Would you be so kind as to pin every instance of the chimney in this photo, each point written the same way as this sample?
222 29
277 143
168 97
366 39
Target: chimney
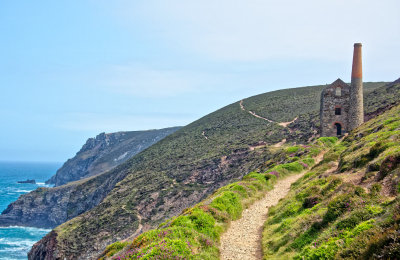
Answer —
357 62
356 110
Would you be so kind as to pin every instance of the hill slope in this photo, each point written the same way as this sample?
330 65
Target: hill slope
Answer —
183 168
348 206
106 151
345 206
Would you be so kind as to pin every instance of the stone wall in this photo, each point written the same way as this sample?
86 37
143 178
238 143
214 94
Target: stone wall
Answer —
329 102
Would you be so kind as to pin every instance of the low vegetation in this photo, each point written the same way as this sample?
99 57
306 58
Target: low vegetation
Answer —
348 205
192 163
195 233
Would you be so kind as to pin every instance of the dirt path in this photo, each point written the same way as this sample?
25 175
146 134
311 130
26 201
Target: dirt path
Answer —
280 143
284 124
242 240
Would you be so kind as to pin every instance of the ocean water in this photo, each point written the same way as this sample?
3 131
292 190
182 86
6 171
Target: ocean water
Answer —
15 242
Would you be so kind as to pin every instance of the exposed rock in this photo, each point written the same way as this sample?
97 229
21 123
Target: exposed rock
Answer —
106 151
50 207
27 181
45 251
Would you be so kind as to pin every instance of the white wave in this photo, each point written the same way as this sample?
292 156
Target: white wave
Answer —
29 229
42 184
23 191
18 243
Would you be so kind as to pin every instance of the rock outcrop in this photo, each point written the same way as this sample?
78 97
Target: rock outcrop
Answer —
106 151
50 207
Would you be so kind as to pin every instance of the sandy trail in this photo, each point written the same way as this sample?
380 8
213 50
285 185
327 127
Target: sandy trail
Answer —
242 240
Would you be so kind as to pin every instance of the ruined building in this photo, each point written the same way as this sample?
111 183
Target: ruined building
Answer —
342 107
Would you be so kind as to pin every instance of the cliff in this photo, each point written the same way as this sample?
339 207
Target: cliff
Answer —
191 163
106 151
50 207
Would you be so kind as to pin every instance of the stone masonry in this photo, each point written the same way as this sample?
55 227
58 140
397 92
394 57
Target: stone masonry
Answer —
335 96
342 105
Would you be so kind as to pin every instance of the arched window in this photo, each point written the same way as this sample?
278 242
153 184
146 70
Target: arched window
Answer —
338 92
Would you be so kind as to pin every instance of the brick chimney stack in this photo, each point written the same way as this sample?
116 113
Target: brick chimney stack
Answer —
356 110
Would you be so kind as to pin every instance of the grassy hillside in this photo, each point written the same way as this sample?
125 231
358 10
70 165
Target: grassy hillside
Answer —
186 166
348 206
195 233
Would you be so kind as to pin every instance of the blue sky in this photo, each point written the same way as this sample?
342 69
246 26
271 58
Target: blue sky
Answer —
72 69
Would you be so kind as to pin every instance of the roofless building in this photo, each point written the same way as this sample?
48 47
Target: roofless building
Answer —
342 108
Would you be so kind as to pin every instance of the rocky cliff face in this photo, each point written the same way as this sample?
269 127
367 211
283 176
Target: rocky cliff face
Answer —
50 207
106 151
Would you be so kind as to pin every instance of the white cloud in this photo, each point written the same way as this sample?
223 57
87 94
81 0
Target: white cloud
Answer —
244 30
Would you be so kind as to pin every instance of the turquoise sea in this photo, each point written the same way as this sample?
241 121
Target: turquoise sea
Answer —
15 242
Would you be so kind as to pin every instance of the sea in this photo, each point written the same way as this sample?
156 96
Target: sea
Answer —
15 242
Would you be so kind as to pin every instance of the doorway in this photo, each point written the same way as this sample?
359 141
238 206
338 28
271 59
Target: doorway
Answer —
338 129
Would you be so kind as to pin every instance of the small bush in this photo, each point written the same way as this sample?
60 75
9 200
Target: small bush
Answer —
255 175
293 149
334 182
228 202
375 189
309 161
115 248
311 201
390 163
330 156
337 207
328 141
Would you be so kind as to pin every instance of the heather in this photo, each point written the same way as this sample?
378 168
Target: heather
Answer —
195 233
347 206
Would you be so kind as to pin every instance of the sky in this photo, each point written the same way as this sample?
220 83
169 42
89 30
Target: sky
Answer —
70 70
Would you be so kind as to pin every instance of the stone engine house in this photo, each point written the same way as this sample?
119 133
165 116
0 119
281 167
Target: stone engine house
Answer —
341 104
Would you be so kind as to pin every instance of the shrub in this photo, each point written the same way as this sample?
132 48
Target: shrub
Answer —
309 161
293 149
328 141
311 202
115 248
274 173
330 156
389 164
255 175
337 207
334 182
293 167
375 189
228 202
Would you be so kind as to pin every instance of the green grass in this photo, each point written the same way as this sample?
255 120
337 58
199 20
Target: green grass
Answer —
196 232
325 217
185 163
